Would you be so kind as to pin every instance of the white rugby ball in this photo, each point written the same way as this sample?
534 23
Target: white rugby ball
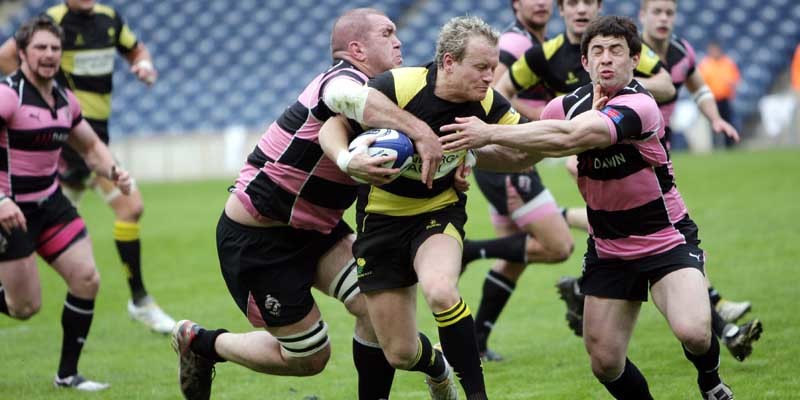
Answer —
388 142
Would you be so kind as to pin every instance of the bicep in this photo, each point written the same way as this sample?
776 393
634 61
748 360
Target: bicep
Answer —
82 137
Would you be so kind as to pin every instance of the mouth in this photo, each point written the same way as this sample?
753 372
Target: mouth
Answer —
582 21
662 30
606 73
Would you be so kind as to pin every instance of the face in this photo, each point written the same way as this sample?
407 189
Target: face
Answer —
609 62
577 15
658 19
533 13
42 56
81 5
381 46
472 76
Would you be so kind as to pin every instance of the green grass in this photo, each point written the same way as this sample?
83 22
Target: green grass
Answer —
744 202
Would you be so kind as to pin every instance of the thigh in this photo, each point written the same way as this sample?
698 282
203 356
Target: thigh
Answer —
62 228
336 273
612 278
682 298
382 252
20 281
76 265
608 325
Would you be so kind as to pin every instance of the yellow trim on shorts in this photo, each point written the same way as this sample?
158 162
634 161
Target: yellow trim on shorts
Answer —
380 201
451 231
126 231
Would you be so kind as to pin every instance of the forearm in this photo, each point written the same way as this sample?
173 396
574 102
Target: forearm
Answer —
333 138
99 159
505 159
380 112
660 87
709 108
138 54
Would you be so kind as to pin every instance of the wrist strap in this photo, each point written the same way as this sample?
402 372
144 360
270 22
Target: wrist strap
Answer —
343 160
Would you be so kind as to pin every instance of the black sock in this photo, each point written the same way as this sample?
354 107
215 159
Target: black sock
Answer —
707 365
203 344
3 304
564 212
497 289
717 323
509 248
375 374
457 333
75 321
631 384
714 295
429 360
126 236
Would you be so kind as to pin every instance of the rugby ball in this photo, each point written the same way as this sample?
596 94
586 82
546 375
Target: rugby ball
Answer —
388 142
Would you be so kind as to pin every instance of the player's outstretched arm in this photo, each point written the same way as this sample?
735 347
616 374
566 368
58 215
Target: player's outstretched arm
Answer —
97 156
142 64
708 106
549 138
333 140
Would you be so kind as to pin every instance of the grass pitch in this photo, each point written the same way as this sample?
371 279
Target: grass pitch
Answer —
745 204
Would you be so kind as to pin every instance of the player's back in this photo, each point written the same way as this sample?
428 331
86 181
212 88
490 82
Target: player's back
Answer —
287 177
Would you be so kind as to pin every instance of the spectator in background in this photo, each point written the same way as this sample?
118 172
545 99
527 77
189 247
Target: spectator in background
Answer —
722 76
794 127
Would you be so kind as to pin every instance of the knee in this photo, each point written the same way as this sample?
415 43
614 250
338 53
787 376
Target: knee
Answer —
24 310
130 210
313 364
441 295
556 251
400 357
606 366
85 283
695 337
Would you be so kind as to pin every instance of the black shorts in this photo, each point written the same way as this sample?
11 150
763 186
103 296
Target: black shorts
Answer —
53 225
629 279
270 271
386 246
73 170
493 186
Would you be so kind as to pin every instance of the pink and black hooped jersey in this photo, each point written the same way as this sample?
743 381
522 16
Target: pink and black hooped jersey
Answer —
287 177
629 187
514 41
681 62
31 136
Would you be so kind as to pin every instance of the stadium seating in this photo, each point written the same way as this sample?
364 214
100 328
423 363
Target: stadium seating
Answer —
242 62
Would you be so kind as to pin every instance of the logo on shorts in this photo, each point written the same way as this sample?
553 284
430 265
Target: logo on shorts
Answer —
432 224
360 263
696 256
273 306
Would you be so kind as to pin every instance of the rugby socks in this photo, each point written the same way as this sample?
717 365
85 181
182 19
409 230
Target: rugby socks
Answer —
375 374
457 333
714 296
707 366
3 305
429 360
630 384
75 321
718 325
509 248
126 236
203 344
497 289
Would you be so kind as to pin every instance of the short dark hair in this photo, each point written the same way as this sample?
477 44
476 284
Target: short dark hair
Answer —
28 29
612 25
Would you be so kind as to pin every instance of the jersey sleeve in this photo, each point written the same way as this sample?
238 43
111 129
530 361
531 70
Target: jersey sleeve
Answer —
649 63
9 102
348 74
501 111
691 57
633 118
74 109
526 71
512 46
554 109
126 39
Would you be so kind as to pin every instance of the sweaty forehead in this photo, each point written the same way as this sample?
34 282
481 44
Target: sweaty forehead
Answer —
479 48
43 36
379 23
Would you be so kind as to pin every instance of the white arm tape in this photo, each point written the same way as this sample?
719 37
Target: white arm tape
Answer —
347 97
702 94
144 64
343 160
471 159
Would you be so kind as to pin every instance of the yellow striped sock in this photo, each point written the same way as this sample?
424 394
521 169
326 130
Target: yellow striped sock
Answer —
126 231
453 314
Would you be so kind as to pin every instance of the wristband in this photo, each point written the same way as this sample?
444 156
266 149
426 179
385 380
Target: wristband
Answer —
144 64
343 160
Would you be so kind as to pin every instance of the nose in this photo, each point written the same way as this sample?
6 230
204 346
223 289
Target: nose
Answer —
396 41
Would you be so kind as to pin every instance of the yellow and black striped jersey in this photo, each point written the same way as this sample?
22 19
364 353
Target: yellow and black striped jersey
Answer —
87 64
412 88
557 64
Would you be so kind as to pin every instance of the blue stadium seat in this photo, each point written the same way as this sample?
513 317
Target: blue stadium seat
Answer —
242 62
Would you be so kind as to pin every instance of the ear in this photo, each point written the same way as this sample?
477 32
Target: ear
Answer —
635 59
585 63
448 61
357 50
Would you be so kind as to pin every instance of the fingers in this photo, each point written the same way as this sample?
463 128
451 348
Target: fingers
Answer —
459 125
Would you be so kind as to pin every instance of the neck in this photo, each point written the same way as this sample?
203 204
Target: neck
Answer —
443 88
44 86
537 32
361 66
573 38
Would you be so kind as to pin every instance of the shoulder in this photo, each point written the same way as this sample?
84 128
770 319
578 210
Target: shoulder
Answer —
57 12
554 109
105 10
551 46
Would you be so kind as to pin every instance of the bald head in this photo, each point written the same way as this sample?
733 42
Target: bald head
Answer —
351 26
